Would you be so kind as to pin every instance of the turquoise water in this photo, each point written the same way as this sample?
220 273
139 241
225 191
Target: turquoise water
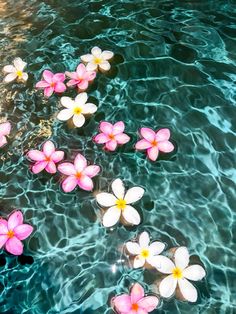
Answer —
174 67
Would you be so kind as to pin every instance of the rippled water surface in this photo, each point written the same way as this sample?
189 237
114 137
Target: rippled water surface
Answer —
174 67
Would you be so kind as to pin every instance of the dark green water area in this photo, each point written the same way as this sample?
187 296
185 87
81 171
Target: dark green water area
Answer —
174 67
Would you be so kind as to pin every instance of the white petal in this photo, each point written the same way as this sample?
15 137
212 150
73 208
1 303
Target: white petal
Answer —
81 99
156 248
10 77
105 66
194 272
25 76
163 264
65 114
118 188
78 120
9 69
134 194
96 51
19 64
106 199
139 261
144 240
182 257
89 108
91 66
133 248
67 102
131 215
87 58
106 54
111 216
167 286
188 291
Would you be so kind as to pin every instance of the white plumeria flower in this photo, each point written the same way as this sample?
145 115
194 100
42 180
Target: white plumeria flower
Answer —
144 251
76 109
179 273
119 204
97 59
15 71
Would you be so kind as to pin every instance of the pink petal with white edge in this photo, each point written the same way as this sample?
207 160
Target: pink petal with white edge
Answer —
106 127
60 87
85 183
15 219
101 138
23 231
51 167
72 82
81 70
143 144
36 155
3 240
42 84
48 148
163 135
39 166
14 246
3 227
82 85
57 156
153 153
92 171
122 138
3 140
5 128
149 303
48 75
137 293
148 134
91 75
59 77
118 127
67 168
122 303
111 145
69 184
48 91
165 147
80 162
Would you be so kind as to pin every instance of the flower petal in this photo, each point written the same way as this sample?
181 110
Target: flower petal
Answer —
67 102
144 240
39 166
105 66
163 264
87 58
166 147
111 145
51 167
156 247
14 246
81 70
23 231
48 91
85 183
3 140
80 162
167 286
81 99
194 272
48 148
153 153
122 138
134 194
72 83
57 156
106 199
96 51
9 69
131 215
106 54
67 168
118 188
143 144
148 134
182 257
3 227
3 240
91 66
19 64
25 77
89 108
69 184
92 171
36 155
106 127
10 77
101 138
91 75
133 248
65 114
149 303
60 87
111 217
59 77
188 291
5 128
48 75
118 127
82 85
122 303
162 135
139 261
42 84
15 219
136 293
78 120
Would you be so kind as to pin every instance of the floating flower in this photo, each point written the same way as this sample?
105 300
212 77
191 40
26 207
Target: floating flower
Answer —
45 159
81 78
5 129
76 109
119 204
52 83
179 272
15 71
78 173
144 251
13 231
154 142
98 59
111 135
136 302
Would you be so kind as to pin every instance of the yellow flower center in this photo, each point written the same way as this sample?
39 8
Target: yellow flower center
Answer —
111 136
154 143
145 253
78 175
177 273
120 204
97 60
19 73
77 110
135 307
10 234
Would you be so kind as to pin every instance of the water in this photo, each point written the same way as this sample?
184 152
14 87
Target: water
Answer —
174 67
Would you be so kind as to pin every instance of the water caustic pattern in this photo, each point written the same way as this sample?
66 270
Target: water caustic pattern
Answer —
174 67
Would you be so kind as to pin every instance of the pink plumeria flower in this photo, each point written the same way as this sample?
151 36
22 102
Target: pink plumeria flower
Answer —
154 142
5 129
136 302
52 83
45 159
111 135
78 173
81 78
12 232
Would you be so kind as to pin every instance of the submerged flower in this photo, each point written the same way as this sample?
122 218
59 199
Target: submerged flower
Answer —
78 173
52 83
13 231
76 109
15 71
144 251
97 59
81 77
5 129
154 142
45 159
179 273
111 135
136 302
119 204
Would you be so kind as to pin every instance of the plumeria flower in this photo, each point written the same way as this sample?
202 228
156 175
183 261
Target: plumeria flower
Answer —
5 129
154 142
13 231
45 159
78 173
178 274
111 135
119 204
52 83
143 251
15 71
76 109
81 78
136 302
97 59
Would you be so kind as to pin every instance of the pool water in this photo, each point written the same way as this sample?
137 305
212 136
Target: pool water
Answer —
174 67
